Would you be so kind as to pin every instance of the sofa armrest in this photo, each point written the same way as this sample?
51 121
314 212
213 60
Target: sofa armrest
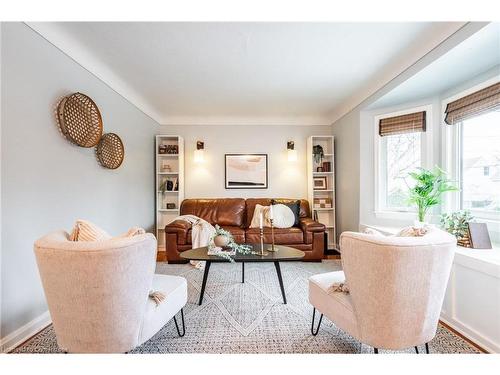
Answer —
180 228
309 225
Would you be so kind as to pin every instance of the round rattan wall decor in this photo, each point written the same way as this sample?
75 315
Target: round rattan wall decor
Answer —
110 151
80 120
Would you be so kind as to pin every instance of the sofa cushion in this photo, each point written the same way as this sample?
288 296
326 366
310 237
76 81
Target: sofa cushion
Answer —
283 236
294 205
251 202
223 211
260 211
237 232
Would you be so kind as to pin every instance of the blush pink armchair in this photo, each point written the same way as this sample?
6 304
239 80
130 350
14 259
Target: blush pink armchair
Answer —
396 288
97 292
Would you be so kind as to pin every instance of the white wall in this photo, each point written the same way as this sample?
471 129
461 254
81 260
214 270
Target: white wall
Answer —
286 179
47 182
347 165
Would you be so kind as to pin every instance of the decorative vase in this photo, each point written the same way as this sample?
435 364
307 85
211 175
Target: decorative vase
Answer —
221 241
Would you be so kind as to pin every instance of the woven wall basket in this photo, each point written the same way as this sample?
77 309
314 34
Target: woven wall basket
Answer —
80 120
110 151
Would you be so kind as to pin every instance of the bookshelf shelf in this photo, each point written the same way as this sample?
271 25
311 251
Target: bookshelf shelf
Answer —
325 215
169 169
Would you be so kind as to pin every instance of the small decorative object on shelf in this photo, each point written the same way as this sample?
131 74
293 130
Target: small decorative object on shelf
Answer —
320 169
172 149
318 153
162 149
457 223
170 206
320 183
165 167
230 249
322 203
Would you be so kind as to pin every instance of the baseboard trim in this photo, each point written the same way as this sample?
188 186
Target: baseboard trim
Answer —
20 335
470 335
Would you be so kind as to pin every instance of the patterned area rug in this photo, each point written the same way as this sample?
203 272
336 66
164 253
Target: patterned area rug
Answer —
251 317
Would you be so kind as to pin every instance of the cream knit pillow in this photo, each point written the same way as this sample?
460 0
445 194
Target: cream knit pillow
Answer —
86 231
259 209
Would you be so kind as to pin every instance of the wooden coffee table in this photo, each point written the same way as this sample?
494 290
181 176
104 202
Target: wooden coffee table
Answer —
284 253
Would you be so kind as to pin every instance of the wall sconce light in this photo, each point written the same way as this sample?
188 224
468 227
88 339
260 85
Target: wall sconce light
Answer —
292 152
199 156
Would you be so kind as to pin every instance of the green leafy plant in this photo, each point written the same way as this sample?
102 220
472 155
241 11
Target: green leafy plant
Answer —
429 187
456 223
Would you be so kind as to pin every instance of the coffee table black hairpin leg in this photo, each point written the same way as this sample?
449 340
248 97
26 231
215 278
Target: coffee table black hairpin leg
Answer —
280 279
242 272
204 282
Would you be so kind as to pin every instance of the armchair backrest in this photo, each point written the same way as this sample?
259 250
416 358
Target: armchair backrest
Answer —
96 291
397 285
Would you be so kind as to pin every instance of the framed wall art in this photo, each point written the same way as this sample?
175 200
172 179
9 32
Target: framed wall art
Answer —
246 171
320 183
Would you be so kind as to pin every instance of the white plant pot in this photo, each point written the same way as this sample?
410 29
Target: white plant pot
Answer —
419 224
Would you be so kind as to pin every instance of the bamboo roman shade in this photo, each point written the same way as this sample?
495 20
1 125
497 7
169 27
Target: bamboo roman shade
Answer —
482 101
410 123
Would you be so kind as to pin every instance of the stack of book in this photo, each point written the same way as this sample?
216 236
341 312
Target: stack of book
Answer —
322 202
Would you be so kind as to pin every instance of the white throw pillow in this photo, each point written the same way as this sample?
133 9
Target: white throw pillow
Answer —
86 231
259 209
283 216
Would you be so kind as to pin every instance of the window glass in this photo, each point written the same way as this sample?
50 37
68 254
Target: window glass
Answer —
401 154
480 162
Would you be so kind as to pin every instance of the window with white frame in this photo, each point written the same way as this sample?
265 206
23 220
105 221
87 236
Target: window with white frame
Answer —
474 151
480 165
399 144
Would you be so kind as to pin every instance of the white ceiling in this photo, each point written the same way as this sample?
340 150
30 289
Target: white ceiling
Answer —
189 73
477 54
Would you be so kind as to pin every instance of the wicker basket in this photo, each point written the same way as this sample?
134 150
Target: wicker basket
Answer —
80 120
110 151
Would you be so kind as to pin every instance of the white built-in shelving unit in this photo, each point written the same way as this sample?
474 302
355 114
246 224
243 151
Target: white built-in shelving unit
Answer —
168 167
325 215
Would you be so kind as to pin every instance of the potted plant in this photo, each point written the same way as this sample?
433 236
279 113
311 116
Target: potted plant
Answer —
457 223
428 189
318 153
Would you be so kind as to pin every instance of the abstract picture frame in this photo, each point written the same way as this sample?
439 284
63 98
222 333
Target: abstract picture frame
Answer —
246 171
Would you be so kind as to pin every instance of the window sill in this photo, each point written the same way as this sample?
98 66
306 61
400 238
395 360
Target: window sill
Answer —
396 215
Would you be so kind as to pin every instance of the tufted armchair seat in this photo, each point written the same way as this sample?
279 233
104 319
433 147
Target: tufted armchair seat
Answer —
98 292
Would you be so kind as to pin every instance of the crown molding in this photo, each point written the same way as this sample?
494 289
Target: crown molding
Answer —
82 56
247 120
436 44
415 59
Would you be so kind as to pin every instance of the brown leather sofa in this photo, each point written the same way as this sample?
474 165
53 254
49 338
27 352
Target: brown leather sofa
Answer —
235 215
